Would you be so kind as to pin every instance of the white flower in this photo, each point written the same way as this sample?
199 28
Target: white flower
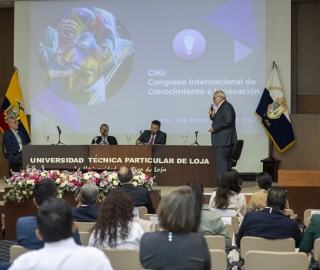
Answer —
58 181
29 182
20 184
115 183
63 184
86 177
96 175
136 178
135 183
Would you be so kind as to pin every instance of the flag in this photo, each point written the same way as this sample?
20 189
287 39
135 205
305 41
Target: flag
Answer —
13 106
273 114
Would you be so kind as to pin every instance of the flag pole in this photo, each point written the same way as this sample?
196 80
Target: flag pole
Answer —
270 164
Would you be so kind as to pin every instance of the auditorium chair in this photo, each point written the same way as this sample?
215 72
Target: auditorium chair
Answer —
266 260
316 249
307 215
123 258
16 251
85 226
84 238
218 259
140 211
151 217
215 242
249 243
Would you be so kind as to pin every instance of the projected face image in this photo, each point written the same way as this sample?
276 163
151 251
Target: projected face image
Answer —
97 61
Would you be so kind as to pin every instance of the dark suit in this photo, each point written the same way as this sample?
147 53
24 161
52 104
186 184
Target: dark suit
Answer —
224 136
111 140
161 137
26 233
138 195
87 213
269 223
11 144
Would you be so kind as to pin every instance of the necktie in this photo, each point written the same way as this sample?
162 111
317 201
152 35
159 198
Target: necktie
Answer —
152 139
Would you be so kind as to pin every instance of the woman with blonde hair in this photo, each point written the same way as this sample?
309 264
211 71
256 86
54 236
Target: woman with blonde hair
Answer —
175 246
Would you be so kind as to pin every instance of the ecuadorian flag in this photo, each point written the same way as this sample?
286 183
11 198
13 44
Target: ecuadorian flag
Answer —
13 105
273 114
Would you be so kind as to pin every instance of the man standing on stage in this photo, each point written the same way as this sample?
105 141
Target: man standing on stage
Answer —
223 131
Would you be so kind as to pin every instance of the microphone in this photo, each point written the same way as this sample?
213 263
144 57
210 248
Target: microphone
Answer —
59 130
211 107
197 132
140 132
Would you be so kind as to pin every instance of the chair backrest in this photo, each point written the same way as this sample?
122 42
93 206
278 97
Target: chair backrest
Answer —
249 243
124 258
266 260
234 221
151 217
84 238
230 231
16 251
218 259
215 242
85 226
236 152
140 211
289 212
308 213
316 249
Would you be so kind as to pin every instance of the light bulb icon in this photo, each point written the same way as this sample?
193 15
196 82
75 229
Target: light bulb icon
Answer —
189 42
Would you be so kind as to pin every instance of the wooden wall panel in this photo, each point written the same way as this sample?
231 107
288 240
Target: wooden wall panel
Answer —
304 155
308 104
6 47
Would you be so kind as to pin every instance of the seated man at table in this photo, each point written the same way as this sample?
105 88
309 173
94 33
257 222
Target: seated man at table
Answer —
271 222
138 195
105 139
26 226
55 227
87 208
153 136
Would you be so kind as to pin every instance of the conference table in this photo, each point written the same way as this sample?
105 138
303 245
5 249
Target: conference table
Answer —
170 165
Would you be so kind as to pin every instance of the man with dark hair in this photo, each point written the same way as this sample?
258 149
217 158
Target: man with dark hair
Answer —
26 226
87 209
153 136
55 227
139 196
270 223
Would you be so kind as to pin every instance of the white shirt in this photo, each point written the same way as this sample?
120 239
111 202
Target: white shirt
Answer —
132 242
237 201
63 255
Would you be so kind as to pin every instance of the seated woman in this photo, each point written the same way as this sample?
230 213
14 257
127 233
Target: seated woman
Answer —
115 227
207 222
258 200
228 195
175 246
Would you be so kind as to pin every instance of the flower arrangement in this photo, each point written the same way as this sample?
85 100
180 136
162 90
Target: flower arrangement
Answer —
22 183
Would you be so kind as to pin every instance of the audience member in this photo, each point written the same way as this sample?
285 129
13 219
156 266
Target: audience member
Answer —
55 227
105 139
87 208
206 221
311 234
138 195
153 136
258 200
115 227
270 223
26 226
228 195
175 246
